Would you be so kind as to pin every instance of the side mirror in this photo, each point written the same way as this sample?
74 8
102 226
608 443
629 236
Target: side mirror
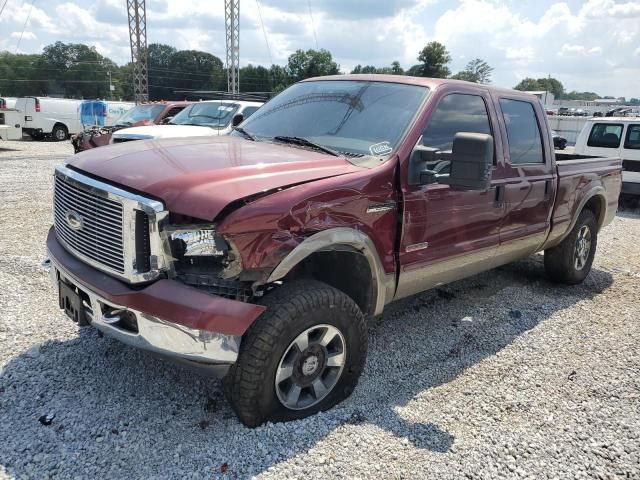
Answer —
237 119
421 156
471 162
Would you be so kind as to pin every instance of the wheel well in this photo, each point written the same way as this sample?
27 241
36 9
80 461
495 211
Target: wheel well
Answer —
61 125
597 205
347 270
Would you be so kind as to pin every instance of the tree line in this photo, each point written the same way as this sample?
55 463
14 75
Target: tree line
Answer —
78 71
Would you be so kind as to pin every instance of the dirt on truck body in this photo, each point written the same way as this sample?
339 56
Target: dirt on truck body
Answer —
261 254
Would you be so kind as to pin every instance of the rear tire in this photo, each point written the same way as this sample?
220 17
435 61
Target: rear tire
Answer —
59 132
313 339
570 261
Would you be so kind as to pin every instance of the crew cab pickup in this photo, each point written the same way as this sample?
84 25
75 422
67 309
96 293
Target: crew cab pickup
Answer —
260 254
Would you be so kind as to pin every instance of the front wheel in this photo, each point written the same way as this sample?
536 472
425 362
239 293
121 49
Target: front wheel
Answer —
303 355
570 261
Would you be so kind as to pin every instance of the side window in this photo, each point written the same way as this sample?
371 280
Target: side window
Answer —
632 141
247 112
605 135
174 111
523 133
455 113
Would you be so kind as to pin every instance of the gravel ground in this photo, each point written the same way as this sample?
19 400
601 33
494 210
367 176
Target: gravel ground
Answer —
501 375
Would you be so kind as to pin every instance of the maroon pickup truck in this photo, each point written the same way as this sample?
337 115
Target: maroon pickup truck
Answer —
144 114
261 254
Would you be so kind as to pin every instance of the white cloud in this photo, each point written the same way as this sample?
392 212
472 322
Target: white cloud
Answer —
592 46
25 36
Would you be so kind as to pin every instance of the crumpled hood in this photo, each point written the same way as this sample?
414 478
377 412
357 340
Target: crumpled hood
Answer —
167 131
199 176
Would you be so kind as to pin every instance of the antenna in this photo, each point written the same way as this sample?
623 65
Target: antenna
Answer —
138 38
232 26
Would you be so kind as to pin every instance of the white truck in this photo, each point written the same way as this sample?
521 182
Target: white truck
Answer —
211 117
614 137
60 117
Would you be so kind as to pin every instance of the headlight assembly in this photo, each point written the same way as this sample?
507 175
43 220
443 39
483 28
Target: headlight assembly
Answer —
196 242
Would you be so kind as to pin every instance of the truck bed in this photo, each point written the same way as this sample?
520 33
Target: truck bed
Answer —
578 177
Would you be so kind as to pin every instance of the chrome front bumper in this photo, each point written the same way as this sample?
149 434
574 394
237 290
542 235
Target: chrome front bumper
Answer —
214 351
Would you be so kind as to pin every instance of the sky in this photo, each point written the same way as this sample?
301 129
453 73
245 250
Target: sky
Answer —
589 45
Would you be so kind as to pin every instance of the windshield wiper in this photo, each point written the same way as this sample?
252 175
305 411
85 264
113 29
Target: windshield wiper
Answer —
245 133
306 143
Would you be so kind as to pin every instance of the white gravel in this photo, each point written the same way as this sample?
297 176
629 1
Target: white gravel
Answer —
501 375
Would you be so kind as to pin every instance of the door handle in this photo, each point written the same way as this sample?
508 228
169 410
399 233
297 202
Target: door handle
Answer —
547 189
499 200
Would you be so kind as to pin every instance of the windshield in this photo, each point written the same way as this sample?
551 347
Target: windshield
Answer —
355 118
139 113
207 114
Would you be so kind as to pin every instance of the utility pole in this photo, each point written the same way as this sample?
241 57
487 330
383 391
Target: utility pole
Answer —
136 11
232 26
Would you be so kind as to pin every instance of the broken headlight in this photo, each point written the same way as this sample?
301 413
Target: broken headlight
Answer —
197 242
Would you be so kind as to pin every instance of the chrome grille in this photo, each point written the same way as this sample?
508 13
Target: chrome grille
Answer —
100 237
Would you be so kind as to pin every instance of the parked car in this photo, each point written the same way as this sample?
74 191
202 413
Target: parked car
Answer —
58 118
559 142
564 111
260 254
618 136
155 113
213 117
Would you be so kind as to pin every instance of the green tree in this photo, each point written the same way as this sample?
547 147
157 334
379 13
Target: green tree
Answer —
312 63
547 84
435 58
255 79
279 78
396 69
75 70
477 71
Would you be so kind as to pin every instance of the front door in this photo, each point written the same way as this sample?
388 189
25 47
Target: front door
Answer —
448 232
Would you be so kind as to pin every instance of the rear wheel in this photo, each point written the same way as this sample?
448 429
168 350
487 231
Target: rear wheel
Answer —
59 132
570 261
303 355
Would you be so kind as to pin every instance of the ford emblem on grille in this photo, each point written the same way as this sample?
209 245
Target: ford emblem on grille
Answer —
74 220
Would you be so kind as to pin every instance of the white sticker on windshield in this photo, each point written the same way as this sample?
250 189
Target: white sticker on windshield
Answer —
382 148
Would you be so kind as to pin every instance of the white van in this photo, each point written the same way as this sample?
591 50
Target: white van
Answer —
11 124
212 117
45 116
614 137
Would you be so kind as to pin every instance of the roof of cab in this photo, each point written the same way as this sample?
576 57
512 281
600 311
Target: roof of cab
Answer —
432 83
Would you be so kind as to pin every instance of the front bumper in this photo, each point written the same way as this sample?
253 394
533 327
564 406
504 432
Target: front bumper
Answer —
173 320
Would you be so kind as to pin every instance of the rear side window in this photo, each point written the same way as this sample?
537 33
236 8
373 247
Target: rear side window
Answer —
605 135
173 112
632 141
455 113
523 133
247 112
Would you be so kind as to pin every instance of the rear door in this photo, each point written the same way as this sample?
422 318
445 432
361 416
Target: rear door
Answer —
530 177
450 233
631 148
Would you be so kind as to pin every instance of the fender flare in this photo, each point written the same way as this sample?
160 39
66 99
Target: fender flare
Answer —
597 191
332 239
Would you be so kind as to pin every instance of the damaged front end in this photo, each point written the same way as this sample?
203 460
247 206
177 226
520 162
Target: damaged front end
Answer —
206 260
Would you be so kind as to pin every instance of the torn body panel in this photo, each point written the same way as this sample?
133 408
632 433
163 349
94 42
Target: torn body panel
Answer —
324 215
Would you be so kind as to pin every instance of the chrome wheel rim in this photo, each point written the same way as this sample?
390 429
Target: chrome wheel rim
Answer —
583 247
310 367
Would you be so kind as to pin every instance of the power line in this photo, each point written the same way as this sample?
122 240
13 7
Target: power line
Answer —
3 5
25 24
264 31
313 24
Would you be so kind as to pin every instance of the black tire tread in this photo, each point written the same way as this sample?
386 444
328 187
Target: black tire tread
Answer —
558 261
242 382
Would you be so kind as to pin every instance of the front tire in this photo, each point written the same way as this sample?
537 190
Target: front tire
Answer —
570 261
304 354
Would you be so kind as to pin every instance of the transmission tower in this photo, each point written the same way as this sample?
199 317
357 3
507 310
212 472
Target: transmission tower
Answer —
138 40
232 26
